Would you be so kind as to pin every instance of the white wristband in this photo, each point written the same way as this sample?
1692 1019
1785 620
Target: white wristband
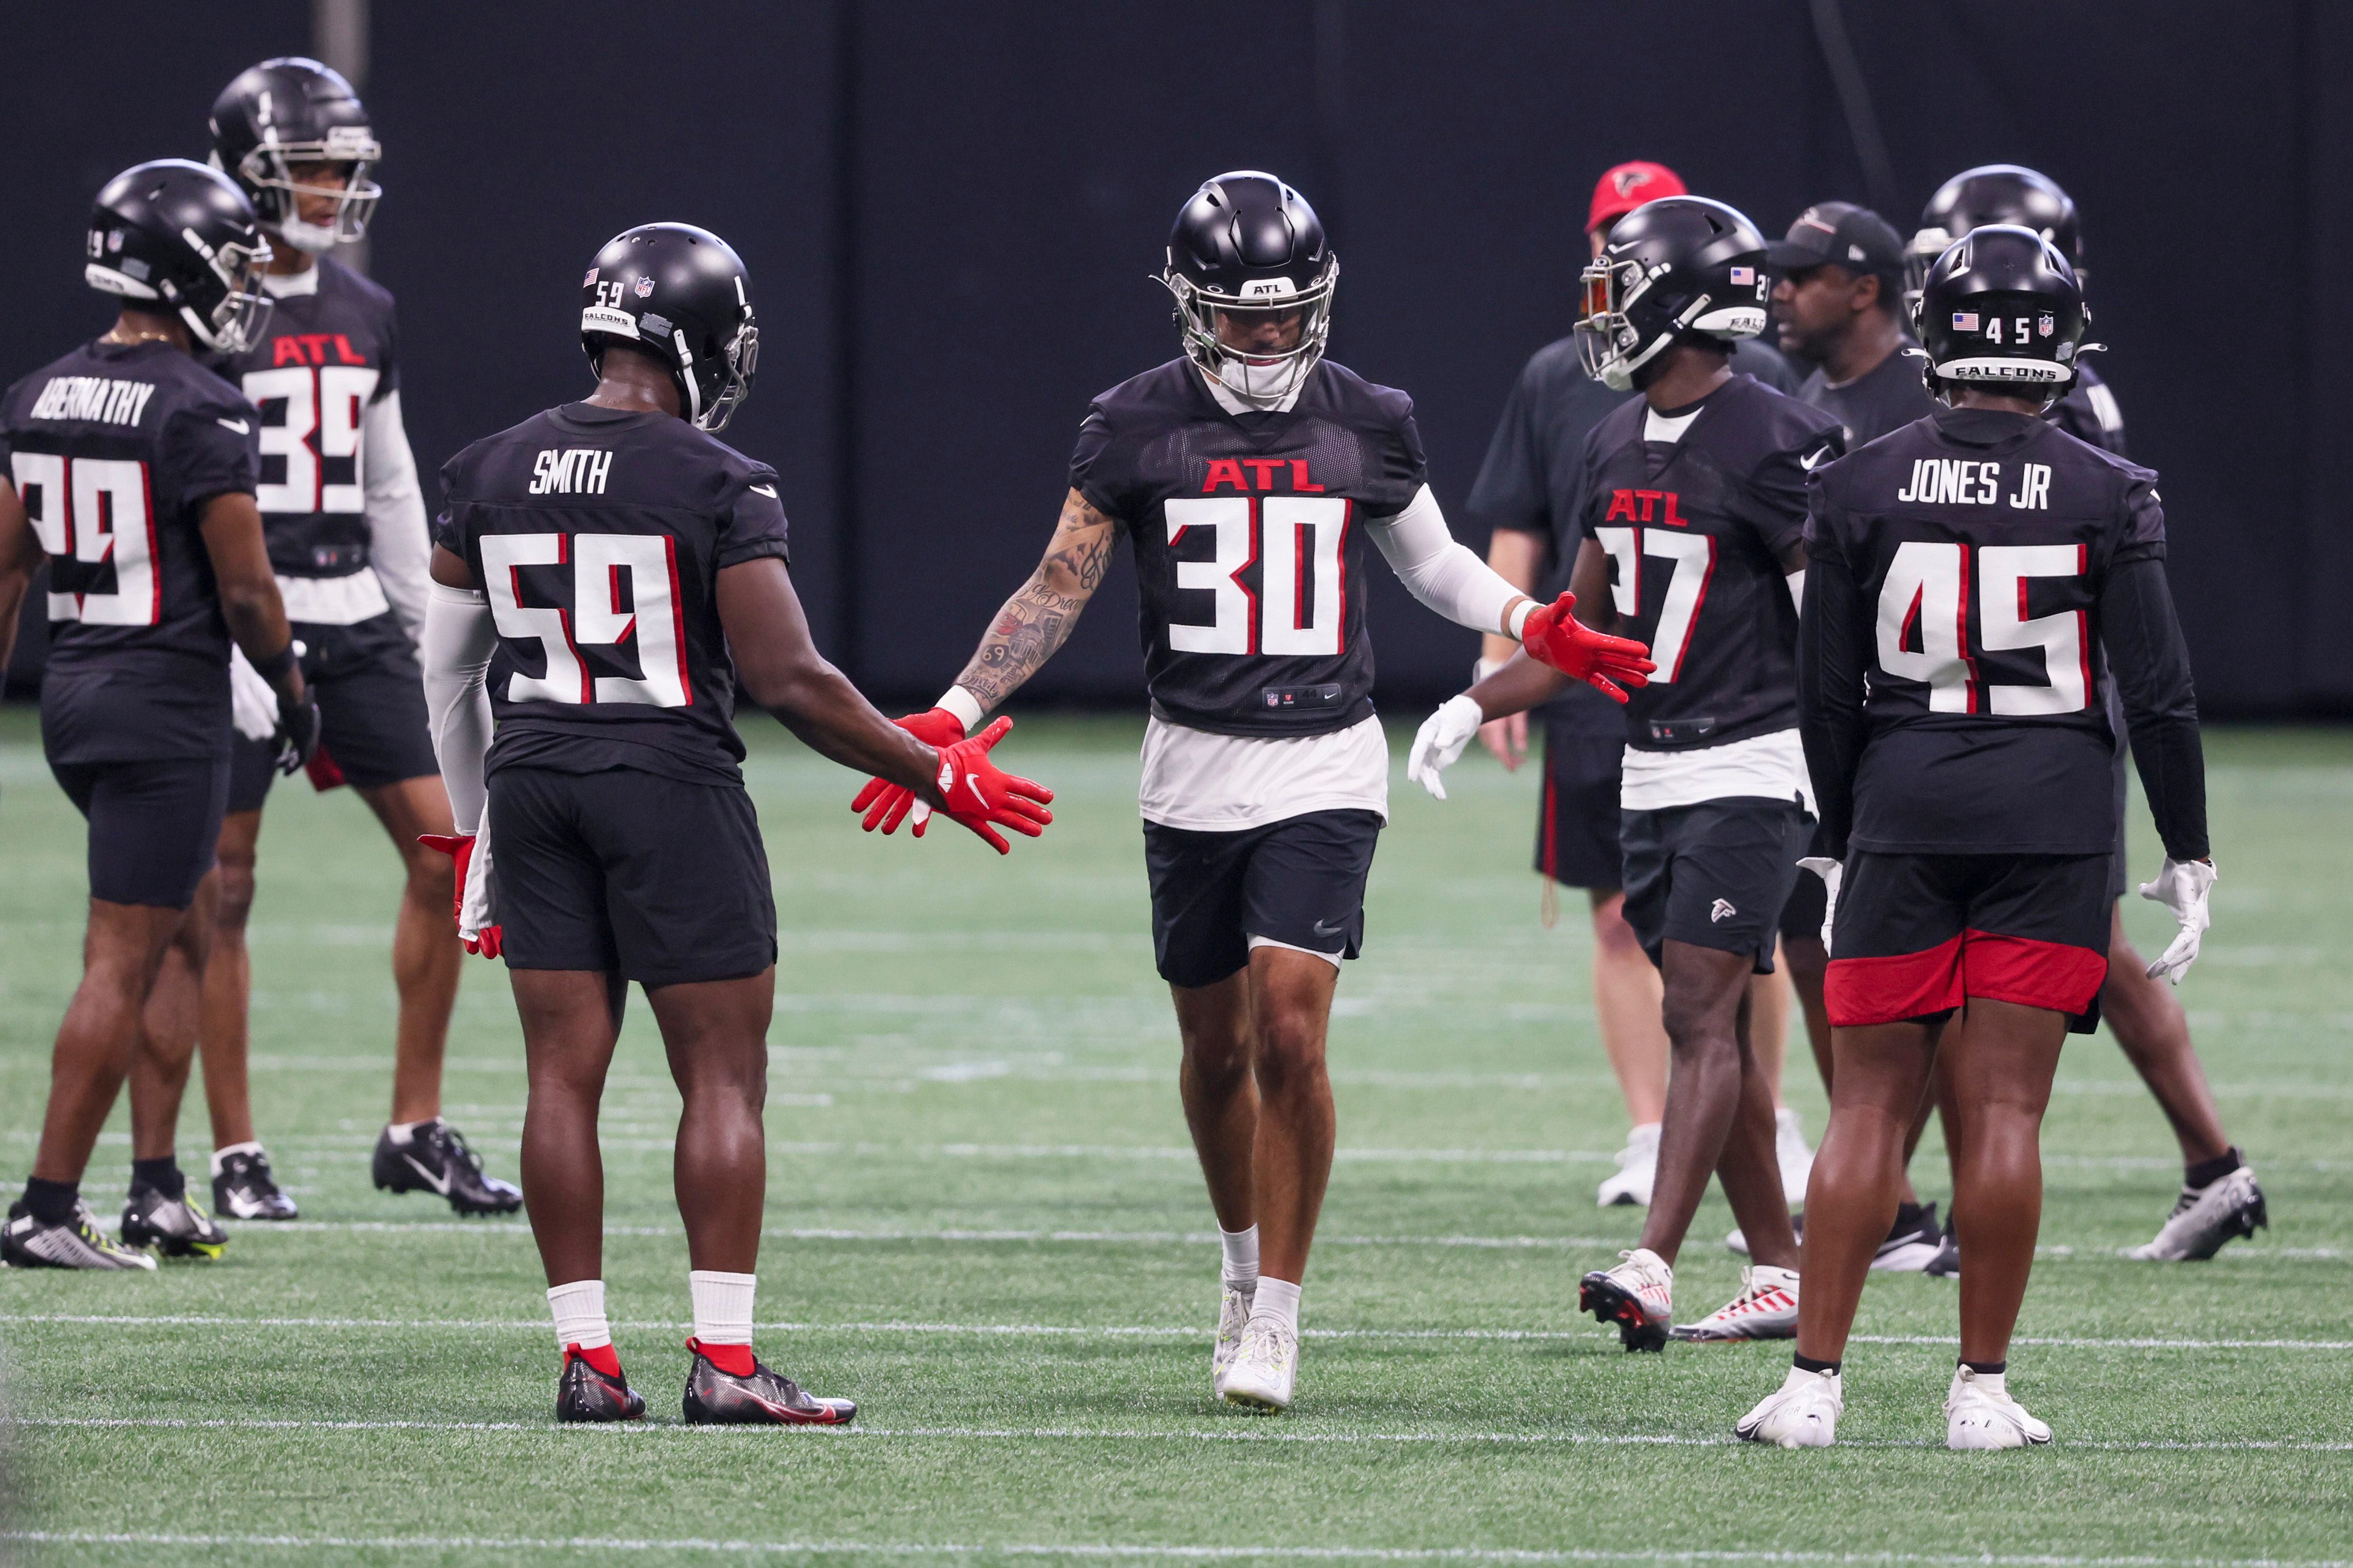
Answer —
1481 668
965 705
1519 617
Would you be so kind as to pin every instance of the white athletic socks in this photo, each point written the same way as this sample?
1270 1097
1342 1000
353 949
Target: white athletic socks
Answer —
579 1309
222 1156
722 1305
406 1131
1277 1302
1242 1258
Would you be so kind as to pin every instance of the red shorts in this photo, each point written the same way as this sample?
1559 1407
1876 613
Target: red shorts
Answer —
1919 933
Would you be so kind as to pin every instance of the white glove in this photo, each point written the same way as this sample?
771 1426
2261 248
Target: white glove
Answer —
1438 743
2182 885
252 705
1832 872
477 906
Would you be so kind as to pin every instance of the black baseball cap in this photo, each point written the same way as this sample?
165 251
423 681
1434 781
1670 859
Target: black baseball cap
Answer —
1842 233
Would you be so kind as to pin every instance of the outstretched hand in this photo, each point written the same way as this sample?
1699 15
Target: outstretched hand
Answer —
1553 636
984 797
886 805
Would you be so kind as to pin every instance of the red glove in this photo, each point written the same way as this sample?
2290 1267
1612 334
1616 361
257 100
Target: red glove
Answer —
886 805
1553 636
486 938
980 793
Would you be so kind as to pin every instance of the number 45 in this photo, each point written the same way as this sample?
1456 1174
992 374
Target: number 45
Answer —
1925 597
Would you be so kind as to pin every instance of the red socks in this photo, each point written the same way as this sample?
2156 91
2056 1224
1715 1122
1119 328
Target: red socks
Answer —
601 1357
735 1361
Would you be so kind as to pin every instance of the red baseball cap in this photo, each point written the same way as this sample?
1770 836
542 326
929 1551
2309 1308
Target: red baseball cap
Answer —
1628 186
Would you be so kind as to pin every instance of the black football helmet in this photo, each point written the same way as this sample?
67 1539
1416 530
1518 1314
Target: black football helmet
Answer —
1678 265
680 294
292 110
173 236
1251 245
2001 310
1993 192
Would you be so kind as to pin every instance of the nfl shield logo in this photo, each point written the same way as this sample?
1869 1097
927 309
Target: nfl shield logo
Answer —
1965 321
2046 326
645 287
1274 698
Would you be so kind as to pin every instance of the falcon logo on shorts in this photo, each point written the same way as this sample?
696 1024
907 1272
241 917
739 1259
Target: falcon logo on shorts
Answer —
1722 909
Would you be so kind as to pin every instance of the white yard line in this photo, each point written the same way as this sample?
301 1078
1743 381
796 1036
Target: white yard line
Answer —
1123 1331
1121 1549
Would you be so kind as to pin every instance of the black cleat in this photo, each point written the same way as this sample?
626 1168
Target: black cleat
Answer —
1947 1264
584 1393
30 1243
177 1227
767 1397
245 1189
436 1160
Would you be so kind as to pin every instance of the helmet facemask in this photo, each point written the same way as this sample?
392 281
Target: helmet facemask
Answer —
1260 376
267 173
235 322
743 362
1608 341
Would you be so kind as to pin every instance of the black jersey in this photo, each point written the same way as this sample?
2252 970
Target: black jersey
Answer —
598 536
329 355
1965 577
1248 551
1885 399
114 450
2090 413
1696 529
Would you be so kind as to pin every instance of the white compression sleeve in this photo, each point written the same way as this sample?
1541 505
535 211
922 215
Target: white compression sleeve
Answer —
459 637
1443 573
393 504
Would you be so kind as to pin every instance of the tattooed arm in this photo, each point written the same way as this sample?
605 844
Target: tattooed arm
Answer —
1038 619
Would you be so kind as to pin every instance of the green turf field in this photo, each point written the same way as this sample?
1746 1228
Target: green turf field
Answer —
987 1228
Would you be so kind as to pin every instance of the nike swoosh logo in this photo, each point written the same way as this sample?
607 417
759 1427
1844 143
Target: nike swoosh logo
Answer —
1324 930
1808 463
768 491
972 783
439 1183
239 425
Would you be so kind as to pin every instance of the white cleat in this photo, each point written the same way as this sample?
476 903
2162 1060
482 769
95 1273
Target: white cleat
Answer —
2204 1219
1638 1296
1766 1309
1802 1412
1638 1170
1980 1414
1265 1365
1233 1316
1796 1160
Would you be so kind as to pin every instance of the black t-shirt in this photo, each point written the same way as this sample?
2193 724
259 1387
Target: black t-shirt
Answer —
1886 397
114 450
598 536
1695 529
329 355
1977 545
1533 464
1248 545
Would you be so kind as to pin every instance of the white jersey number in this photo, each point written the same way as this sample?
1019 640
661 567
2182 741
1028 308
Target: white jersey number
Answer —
1926 598
1693 555
324 413
595 619
1281 533
94 510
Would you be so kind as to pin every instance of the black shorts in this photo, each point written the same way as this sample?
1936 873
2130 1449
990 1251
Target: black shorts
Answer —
1713 875
1577 820
154 825
372 723
1299 882
1918 934
627 872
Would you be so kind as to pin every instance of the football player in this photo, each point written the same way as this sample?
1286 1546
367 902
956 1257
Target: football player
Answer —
607 574
2220 1200
1975 578
1838 303
1248 474
1692 504
1526 493
130 473
348 540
